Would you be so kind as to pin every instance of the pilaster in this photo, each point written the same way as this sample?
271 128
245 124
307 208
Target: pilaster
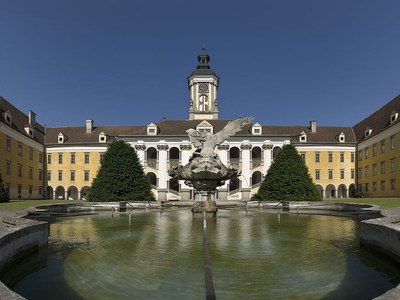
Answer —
267 148
162 169
246 149
140 150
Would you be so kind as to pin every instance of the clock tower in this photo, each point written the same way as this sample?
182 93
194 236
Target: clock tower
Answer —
203 87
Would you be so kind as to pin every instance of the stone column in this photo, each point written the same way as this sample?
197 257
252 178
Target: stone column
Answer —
223 155
185 155
267 157
246 187
140 149
162 172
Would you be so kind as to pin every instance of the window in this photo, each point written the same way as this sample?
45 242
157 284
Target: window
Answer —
383 146
303 156
392 165
86 158
374 170
19 170
40 157
317 174
19 189
20 149
330 157
382 185
30 190
60 175
86 178
48 175
359 170
382 167
392 184
8 144
317 157
352 173
72 175
40 190
40 174
367 187
341 157
72 158
30 153
8 167
374 150
60 158
330 174
341 173
374 186
49 158
366 153
30 172
359 155
393 116
256 130
352 157
392 142
366 171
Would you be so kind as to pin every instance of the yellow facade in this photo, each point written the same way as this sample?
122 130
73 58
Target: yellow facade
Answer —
378 161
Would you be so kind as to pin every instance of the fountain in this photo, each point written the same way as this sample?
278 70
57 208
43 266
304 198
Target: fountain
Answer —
205 171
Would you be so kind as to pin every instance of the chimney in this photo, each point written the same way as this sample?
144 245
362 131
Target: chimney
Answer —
31 118
89 126
313 126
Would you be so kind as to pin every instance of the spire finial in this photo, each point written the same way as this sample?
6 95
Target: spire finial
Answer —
204 47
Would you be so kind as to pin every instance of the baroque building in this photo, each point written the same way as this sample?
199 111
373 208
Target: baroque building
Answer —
66 159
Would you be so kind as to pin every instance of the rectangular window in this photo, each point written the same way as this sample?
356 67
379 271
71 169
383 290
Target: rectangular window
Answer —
330 157
367 187
48 175
8 144
317 174
8 188
19 189
383 146
374 170
352 173
59 175
317 157
303 156
359 172
49 158
72 158
30 153
19 170
40 190
392 184
40 174
30 173
86 158
392 142
30 190
341 157
383 185
341 173
72 175
382 167
374 186
330 174
366 153
374 150
392 165
60 158
352 157
40 157
8 167
20 149
360 155
86 178
366 171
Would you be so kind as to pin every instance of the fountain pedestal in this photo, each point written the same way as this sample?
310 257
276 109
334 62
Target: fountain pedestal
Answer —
205 203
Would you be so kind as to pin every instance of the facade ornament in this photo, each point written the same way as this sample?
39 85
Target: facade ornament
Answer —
246 147
140 147
185 147
162 147
267 146
223 147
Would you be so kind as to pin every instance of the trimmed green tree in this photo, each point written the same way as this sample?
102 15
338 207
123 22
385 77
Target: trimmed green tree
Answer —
4 196
288 179
120 177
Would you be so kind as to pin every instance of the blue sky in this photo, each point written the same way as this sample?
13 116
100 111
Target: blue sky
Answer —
126 62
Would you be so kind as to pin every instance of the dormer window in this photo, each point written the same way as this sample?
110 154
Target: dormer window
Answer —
61 138
367 132
205 127
29 130
303 137
102 137
393 116
8 118
256 129
152 129
341 137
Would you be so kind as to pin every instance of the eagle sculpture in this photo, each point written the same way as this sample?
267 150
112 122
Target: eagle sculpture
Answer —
206 141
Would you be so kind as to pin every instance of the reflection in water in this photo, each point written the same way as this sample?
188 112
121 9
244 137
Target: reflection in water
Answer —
254 256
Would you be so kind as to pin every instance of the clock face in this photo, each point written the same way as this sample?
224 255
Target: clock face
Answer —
203 87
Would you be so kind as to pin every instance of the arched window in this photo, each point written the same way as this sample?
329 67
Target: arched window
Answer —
275 152
234 184
151 154
256 178
152 179
256 156
174 184
174 155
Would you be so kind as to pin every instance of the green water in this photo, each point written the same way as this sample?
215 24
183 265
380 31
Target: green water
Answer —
254 255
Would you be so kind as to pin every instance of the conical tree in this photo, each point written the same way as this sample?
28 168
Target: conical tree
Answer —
4 196
288 179
120 177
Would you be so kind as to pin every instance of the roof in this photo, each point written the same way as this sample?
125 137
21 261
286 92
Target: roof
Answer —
378 121
20 121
